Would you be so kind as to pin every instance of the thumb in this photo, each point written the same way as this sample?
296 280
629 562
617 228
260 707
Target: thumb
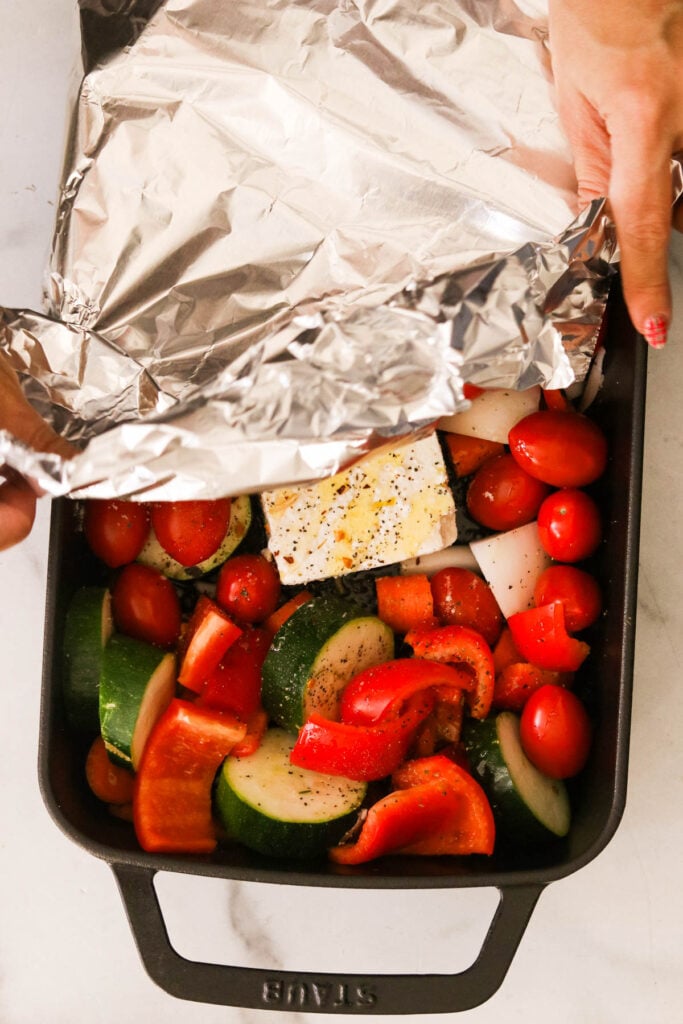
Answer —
641 197
17 510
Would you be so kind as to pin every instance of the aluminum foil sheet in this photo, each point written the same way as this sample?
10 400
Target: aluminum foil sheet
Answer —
289 231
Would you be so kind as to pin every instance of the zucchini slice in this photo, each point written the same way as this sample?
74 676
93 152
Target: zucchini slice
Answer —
323 645
155 555
529 807
88 627
137 684
270 806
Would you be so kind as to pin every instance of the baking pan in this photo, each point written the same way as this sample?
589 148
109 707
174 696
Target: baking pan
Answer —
598 794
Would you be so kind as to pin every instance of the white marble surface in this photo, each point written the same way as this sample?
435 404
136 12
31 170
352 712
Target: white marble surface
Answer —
603 946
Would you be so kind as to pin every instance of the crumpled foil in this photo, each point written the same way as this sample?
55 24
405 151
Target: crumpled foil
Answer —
289 230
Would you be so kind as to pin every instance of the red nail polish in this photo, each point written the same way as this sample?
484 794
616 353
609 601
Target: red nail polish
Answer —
655 331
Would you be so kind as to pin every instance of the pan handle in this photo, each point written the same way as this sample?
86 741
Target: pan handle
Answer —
292 991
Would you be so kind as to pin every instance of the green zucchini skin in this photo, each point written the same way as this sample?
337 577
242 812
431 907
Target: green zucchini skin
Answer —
154 555
88 627
315 653
278 810
530 808
137 684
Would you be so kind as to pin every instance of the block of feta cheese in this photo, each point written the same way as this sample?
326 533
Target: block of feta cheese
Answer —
394 504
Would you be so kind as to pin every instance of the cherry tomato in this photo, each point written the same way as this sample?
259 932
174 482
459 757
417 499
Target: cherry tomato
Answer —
564 449
503 496
146 606
191 531
248 588
569 526
577 590
461 598
555 731
116 530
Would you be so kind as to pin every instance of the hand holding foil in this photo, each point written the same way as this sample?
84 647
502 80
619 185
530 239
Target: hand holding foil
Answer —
622 106
288 233
17 495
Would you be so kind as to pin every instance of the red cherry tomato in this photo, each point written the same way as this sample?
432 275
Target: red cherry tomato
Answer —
146 606
577 590
569 526
248 588
116 530
564 449
555 731
503 496
461 598
191 531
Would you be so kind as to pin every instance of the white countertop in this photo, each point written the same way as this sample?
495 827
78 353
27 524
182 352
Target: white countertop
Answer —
603 945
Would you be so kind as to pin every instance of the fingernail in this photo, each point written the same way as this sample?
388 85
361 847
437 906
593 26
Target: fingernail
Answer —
655 331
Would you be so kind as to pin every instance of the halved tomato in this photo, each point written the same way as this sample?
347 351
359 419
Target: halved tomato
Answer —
190 531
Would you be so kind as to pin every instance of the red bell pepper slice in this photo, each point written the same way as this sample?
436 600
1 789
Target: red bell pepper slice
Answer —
471 829
281 614
360 752
516 682
376 691
209 634
460 645
505 653
555 398
235 683
541 637
399 820
437 808
449 714
172 797
256 729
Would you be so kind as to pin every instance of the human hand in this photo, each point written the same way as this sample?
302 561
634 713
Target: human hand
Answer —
17 495
618 68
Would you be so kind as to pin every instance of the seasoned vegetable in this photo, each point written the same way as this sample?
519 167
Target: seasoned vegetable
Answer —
191 531
276 705
528 807
320 647
172 808
116 530
283 811
136 686
89 624
153 553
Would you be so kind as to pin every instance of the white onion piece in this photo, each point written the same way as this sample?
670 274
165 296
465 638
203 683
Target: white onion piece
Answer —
493 414
511 563
458 556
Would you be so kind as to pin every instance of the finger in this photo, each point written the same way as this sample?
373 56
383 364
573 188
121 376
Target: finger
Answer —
641 196
590 145
17 512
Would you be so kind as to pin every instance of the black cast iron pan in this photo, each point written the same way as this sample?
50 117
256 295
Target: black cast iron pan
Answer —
598 794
